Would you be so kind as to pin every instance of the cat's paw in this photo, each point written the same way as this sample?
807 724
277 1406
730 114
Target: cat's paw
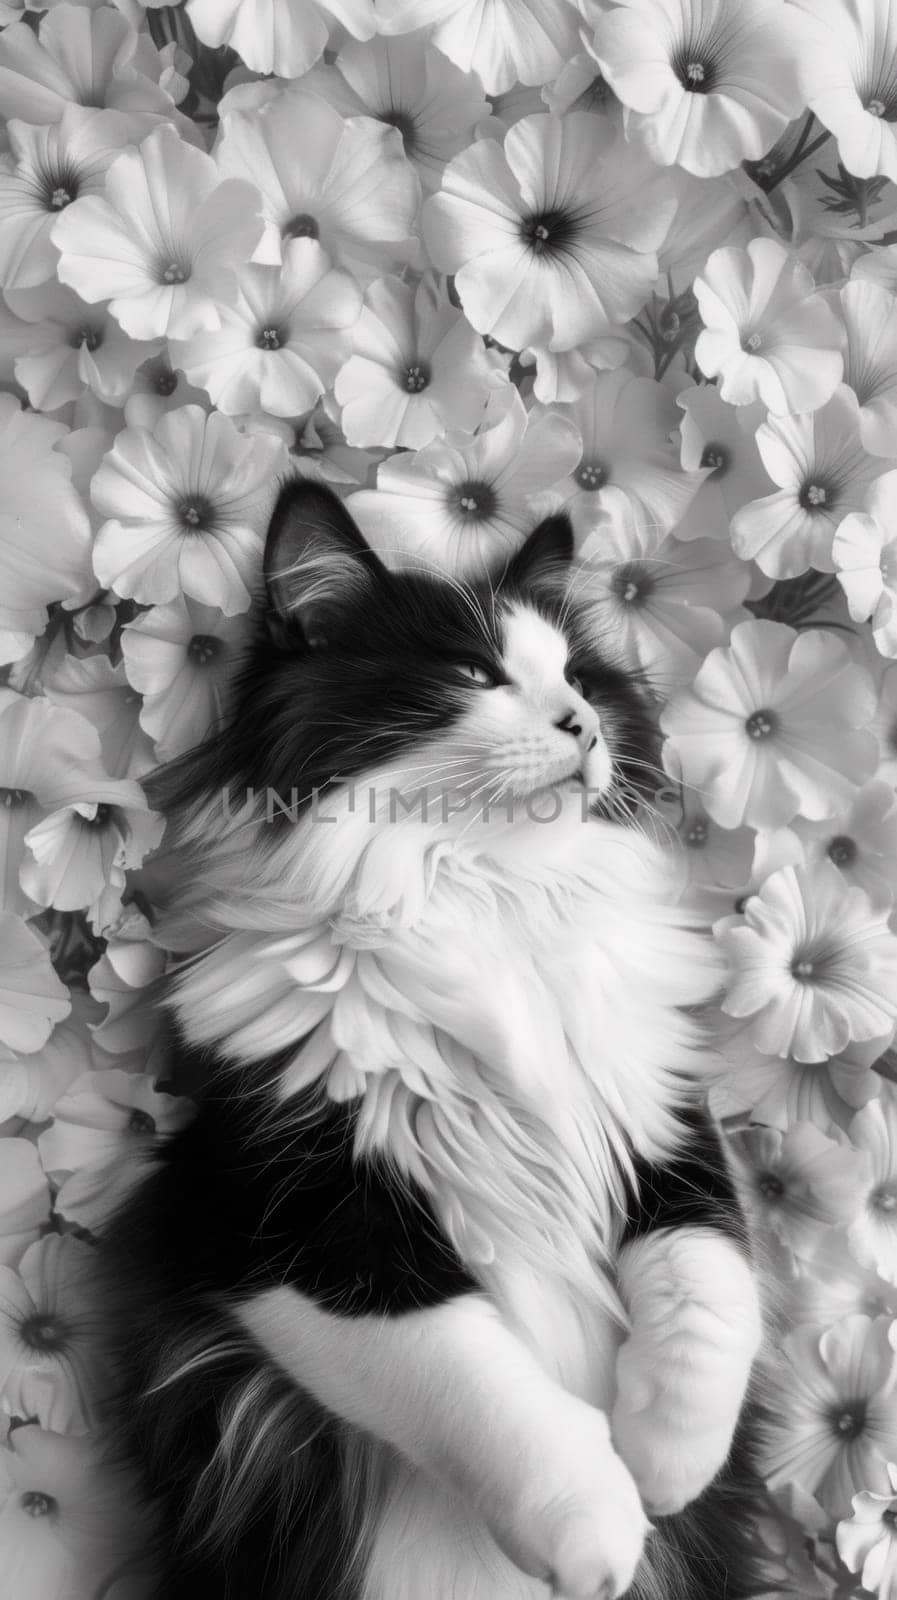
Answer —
579 1524
683 1371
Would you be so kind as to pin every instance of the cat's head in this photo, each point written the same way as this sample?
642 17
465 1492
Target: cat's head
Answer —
421 685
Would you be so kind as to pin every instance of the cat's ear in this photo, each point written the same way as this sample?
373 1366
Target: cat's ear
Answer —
319 571
544 560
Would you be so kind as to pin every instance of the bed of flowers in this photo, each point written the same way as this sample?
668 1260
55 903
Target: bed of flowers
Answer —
467 261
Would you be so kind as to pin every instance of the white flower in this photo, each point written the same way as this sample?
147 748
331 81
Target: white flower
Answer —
849 79
872 1235
417 368
44 528
353 190
707 86
81 56
102 1127
827 215
87 846
870 361
276 35
101 693
629 466
464 504
65 346
68 1519
281 343
182 657
767 334
32 998
552 235
46 171
864 553
503 41
663 606
867 1541
779 1091
48 1366
769 728
861 841
31 1084
404 82
719 440
163 242
123 980
814 965
796 1183
832 1411
823 473
188 505
884 725
24 1199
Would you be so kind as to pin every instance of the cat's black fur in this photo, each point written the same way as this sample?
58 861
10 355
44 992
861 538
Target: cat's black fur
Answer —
251 1195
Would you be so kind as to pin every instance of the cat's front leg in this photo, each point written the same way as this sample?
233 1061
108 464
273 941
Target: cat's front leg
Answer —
688 1285
457 1393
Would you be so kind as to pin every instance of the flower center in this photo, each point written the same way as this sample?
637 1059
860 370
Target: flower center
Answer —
695 71
43 1333
881 101
815 496
842 850
884 1198
416 377
477 502
590 475
12 799
548 231
99 820
695 834
889 1517
404 121
302 226
196 514
632 583
141 1122
86 338
716 457
771 1187
761 724
162 379
849 1421
173 272
753 342
37 1504
271 338
203 648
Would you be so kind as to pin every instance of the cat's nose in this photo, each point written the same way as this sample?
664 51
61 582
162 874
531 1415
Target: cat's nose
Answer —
583 725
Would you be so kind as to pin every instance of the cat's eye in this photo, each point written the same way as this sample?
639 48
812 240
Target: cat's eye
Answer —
477 673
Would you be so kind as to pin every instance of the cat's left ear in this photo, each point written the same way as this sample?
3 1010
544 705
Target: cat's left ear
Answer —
319 570
544 560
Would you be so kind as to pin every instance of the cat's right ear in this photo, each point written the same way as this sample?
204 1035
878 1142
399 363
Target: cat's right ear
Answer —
319 571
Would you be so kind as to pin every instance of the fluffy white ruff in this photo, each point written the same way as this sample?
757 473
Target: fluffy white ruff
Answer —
504 998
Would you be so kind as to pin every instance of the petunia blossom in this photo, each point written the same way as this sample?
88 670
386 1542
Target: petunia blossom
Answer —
46 170
864 554
796 1183
65 346
823 473
353 190
502 41
813 965
404 82
867 1540
163 242
416 369
182 657
767 334
553 235
872 1235
629 466
831 1401
849 80
32 997
707 87
870 361
773 725
187 507
282 341
719 440
48 1361
85 848
464 504
275 35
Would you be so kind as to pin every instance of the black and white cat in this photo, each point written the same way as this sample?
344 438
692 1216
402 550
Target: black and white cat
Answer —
445 1292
